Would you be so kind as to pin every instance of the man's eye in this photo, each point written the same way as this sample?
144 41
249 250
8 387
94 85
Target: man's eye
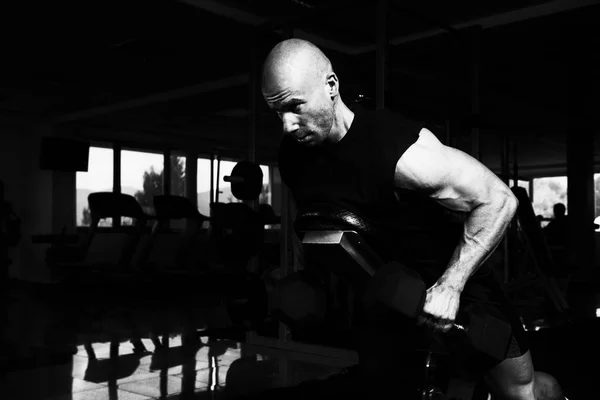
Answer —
295 108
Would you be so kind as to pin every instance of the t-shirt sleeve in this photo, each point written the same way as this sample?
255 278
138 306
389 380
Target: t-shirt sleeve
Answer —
397 134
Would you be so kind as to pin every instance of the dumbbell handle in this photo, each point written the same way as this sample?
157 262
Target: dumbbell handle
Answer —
233 179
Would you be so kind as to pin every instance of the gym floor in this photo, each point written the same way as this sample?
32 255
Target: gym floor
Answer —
58 346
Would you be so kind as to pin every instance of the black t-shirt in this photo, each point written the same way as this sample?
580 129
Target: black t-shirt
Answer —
357 173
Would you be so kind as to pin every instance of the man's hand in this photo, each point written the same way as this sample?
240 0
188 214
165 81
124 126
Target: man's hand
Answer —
441 307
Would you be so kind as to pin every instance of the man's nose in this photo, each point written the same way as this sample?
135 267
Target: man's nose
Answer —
290 124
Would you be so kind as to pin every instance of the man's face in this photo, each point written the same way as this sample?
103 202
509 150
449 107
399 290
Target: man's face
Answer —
305 108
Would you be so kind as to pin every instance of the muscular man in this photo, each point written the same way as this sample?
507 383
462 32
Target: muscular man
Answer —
371 161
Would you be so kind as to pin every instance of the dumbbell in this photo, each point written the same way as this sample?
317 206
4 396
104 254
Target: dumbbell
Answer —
403 290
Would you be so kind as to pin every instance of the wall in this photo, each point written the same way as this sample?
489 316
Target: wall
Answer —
40 199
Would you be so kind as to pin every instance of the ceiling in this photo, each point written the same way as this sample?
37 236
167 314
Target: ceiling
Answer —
166 67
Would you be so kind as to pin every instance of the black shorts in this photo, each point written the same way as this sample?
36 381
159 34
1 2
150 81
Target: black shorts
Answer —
486 293
386 339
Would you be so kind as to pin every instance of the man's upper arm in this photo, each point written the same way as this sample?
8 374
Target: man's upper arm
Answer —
449 176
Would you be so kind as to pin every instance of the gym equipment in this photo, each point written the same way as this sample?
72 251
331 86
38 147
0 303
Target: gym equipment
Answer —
103 205
237 230
250 375
246 180
341 240
403 290
181 247
248 303
300 301
535 236
542 264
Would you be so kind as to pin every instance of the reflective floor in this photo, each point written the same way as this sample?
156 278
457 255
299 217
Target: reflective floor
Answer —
84 346
101 342
205 370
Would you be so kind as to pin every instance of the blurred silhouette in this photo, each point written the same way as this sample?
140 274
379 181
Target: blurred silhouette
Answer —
556 230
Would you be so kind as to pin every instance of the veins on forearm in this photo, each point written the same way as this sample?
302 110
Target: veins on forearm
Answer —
482 233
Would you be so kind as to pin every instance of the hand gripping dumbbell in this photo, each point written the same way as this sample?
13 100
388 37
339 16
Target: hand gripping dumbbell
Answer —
403 290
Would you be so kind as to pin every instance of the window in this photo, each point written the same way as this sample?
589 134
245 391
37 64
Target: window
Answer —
546 193
98 178
142 177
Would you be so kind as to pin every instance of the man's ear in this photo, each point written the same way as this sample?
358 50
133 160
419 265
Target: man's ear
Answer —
333 85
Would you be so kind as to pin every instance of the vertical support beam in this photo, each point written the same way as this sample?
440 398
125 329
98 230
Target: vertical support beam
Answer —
283 332
117 168
381 53
515 152
531 194
167 172
286 222
580 155
116 221
505 177
253 120
506 158
580 194
253 91
475 112
212 179
64 201
191 177
4 264
218 179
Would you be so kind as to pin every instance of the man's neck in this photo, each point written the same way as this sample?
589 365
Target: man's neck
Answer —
342 121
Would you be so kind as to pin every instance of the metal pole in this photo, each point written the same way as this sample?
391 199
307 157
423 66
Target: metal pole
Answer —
515 164
4 263
167 172
253 120
191 177
505 178
380 63
253 80
475 61
116 220
212 178
284 332
505 158
217 191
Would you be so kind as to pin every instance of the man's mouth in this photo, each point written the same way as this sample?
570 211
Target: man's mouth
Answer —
304 139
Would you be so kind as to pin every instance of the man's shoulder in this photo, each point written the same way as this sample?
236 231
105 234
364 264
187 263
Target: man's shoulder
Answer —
386 123
387 118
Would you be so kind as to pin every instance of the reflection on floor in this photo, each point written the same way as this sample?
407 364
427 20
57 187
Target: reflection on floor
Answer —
207 369
92 347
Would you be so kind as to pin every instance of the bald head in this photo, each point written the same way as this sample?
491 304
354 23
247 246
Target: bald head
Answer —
298 83
296 63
